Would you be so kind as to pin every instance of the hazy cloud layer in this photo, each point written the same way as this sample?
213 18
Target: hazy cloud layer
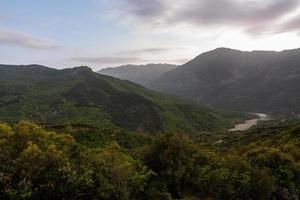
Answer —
179 61
108 60
9 37
115 60
131 56
154 50
253 15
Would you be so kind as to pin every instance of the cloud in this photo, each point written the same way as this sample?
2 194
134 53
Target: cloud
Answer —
132 56
251 15
154 50
108 60
14 38
126 60
141 8
292 24
246 13
179 61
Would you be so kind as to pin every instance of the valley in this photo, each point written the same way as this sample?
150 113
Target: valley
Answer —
250 123
77 134
150 100
262 81
185 133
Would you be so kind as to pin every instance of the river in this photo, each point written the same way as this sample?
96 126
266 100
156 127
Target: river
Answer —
250 123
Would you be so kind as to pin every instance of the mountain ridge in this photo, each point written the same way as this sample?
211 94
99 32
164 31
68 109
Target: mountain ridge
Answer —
79 95
238 80
144 75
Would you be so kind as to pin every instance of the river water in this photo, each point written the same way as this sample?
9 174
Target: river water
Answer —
250 123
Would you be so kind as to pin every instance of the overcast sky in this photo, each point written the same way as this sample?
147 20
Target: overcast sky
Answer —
105 33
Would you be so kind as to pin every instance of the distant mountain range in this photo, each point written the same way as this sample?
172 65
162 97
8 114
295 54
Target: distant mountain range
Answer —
80 96
144 75
257 81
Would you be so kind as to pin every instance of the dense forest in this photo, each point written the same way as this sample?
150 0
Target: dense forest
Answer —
80 96
86 162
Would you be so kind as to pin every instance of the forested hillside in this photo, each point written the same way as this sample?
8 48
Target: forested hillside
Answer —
257 81
80 96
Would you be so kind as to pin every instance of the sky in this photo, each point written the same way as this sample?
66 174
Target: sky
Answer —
106 33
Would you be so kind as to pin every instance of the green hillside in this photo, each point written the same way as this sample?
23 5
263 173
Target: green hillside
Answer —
80 96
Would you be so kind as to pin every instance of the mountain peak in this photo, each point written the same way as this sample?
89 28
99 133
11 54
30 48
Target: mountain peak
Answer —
216 54
225 49
83 68
78 70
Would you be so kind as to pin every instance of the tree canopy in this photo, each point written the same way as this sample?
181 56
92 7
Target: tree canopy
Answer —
71 163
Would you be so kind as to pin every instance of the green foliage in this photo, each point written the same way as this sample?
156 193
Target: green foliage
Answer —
96 137
80 96
119 176
94 163
189 170
37 164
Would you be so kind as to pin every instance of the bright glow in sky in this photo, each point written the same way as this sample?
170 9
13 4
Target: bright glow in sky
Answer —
104 33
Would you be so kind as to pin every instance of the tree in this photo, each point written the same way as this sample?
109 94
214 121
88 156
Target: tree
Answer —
118 175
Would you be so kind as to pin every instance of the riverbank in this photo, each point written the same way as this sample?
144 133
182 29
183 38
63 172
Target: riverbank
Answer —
250 123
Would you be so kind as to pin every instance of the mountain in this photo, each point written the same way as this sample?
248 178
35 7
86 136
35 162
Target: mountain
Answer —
144 75
80 96
257 81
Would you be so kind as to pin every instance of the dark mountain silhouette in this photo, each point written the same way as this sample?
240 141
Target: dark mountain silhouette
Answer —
257 81
144 75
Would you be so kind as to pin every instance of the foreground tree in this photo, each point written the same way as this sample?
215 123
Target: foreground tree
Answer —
37 164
